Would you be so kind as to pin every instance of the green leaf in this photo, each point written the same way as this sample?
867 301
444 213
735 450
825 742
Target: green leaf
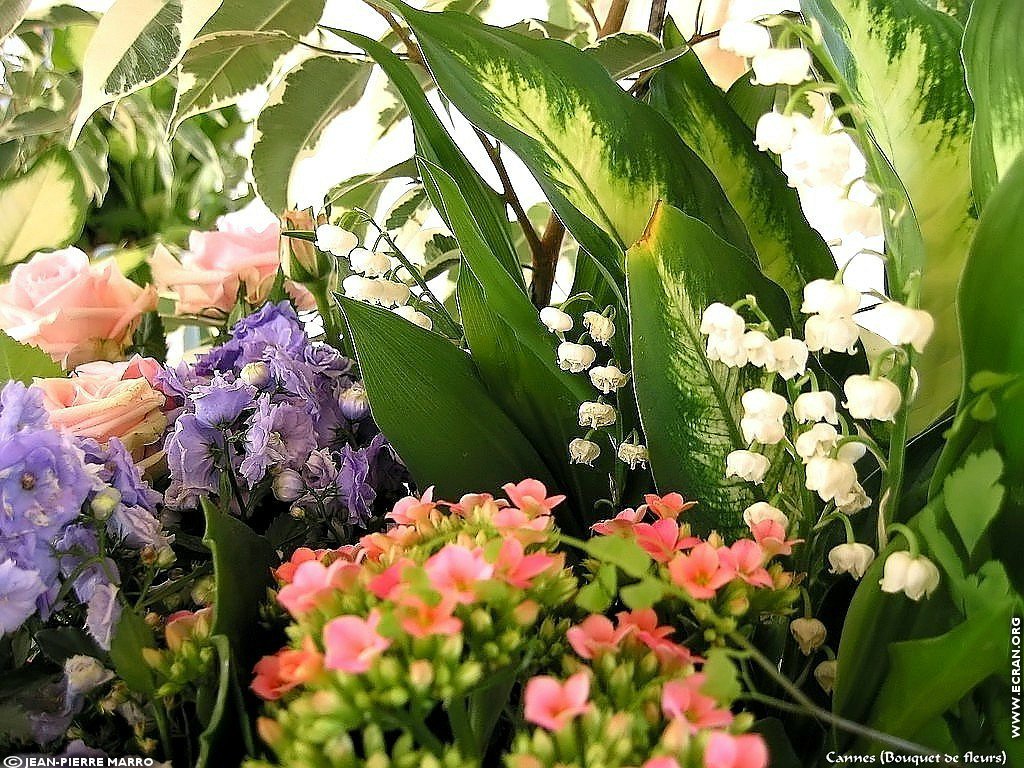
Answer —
434 144
417 382
514 353
11 13
622 553
224 740
597 596
722 681
974 495
61 643
995 77
21 362
136 43
42 208
308 99
643 594
627 53
689 406
602 158
219 68
902 60
132 635
405 208
790 252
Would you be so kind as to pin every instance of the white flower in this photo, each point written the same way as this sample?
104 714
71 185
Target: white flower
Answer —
414 316
357 287
868 398
830 478
762 416
759 349
288 485
774 132
575 358
720 319
808 633
855 501
370 263
594 415
831 334
583 451
789 357
819 440
744 38
386 293
816 406
825 674
727 349
760 511
608 378
746 465
84 673
905 325
857 218
818 159
335 240
781 66
633 454
852 451
853 559
829 298
601 328
256 374
556 320
917 577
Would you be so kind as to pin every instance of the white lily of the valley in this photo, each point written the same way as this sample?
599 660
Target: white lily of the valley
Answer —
825 674
596 415
575 358
336 240
854 501
760 511
830 478
85 673
808 633
601 328
747 465
633 454
831 334
727 349
414 316
774 132
870 398
830 298
852 558
815 406
759 349
744 38
370 263
781 66
819 440
762 416
556 320
789 357
357 287
583 451
608 378
916 577
905 325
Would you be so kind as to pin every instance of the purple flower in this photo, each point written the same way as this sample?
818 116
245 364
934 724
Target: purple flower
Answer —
221 402
137 527
19 589
21 407
178 382
126 478
193 452
353 489
102 615
355 405
74 547
274 326
43 483
328 361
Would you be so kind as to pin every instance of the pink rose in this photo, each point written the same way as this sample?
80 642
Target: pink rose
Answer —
103 400
73 310
236 256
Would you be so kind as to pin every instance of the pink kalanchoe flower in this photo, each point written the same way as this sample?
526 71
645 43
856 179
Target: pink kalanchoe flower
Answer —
386 584
621 524
454 571
595 636
662 539
412 510
772 538
276 675
552 704
311 580
747 558
471 501
643 625
681 700
727 751
662 762
519 569
286 571
668 507
419 618
376 545
353 643
511 521
532 497
701 572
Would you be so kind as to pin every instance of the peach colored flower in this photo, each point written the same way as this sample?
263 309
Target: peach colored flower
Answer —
519 569
413 511
471 501
421 619
312 580
595 636
73 310
102 400
277 674
454 571
663 538
669 506
772 538
532 497
286 571
682 699
235 258
727 751
353 643
747 558
701 572
552 704
622 523
183 625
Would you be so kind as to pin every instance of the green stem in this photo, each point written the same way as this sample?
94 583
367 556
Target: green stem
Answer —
458 716
325 307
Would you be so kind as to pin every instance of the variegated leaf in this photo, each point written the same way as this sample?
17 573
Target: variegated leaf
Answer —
902 61
135 44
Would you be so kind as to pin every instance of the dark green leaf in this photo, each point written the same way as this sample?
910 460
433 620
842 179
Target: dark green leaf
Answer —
21 362
132 635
